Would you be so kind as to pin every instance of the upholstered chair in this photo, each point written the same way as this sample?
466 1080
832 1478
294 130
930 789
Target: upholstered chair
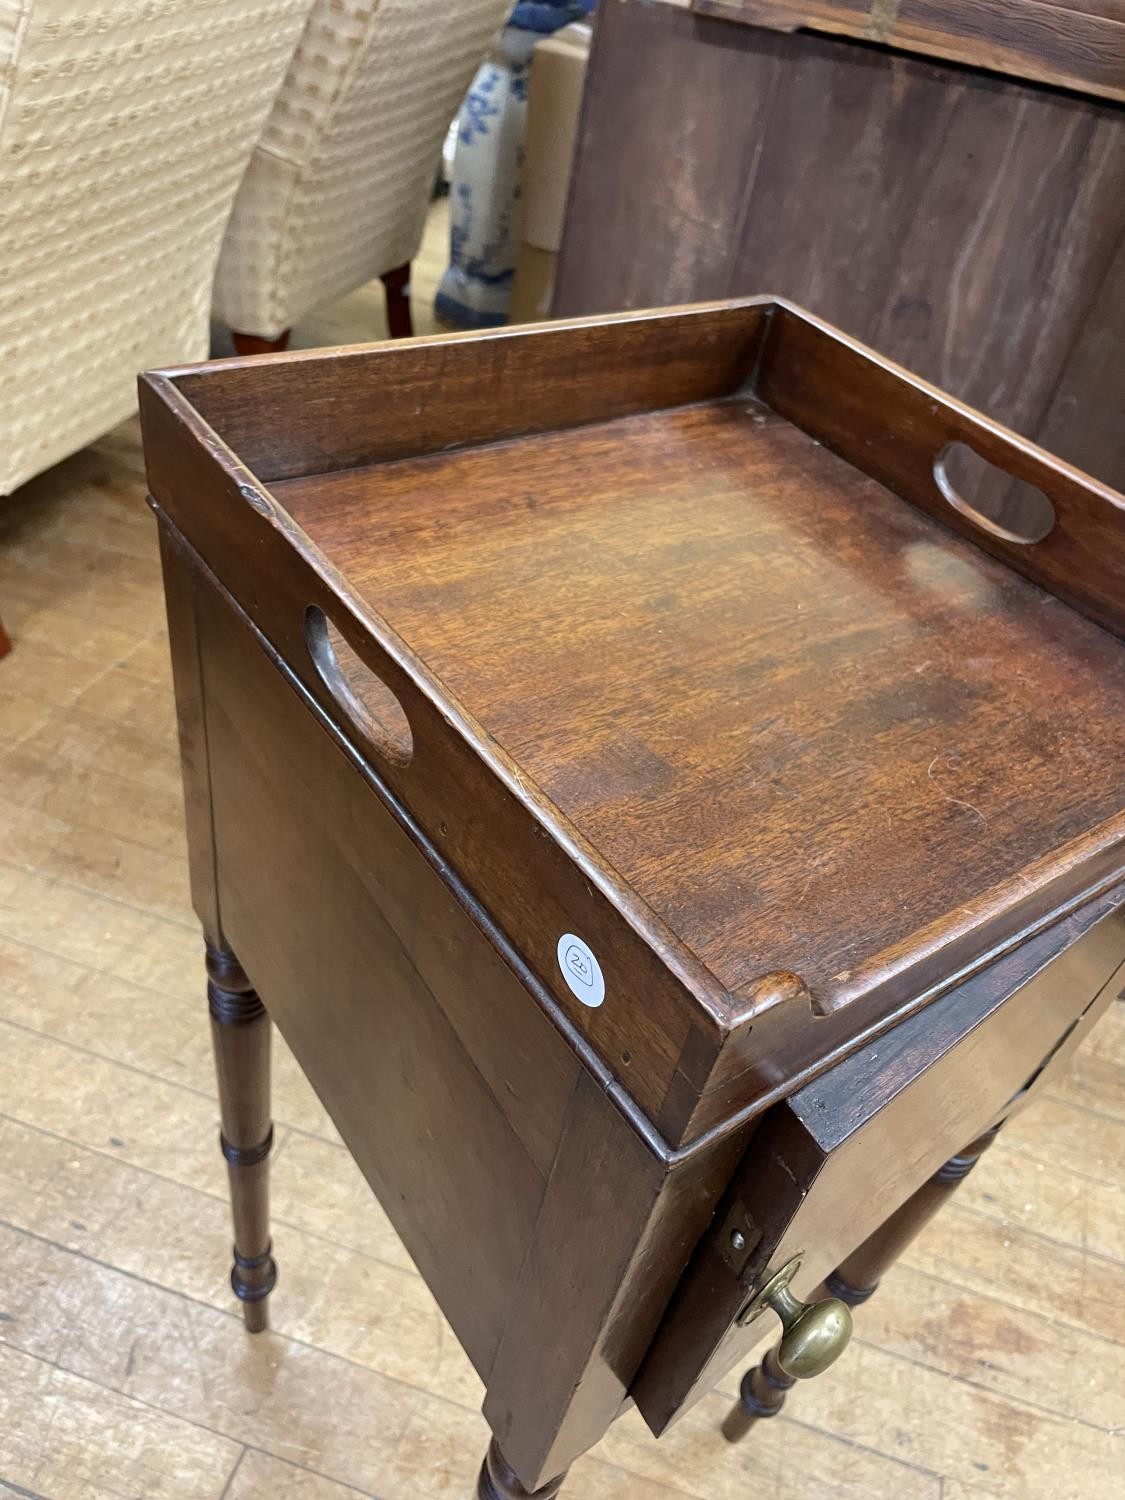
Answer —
338 187
125 129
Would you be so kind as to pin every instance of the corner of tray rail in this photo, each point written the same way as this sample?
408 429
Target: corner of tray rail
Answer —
164 381
720 1077
772 309
154 385
160 397
163 412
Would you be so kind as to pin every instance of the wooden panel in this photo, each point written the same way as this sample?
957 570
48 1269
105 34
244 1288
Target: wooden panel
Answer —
180 585
852 402
801 703
1069 427
538 798
826 1168
618 1224
962 224
655 217
449 1088
371 403
483 818
1078 45
448 1085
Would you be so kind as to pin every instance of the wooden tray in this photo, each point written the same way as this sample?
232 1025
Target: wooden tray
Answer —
682 643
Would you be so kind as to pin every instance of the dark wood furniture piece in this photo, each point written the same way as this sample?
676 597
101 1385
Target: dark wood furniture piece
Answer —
665 822
965 218
1071 44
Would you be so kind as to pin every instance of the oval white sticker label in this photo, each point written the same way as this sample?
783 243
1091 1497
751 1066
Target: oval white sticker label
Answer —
581 970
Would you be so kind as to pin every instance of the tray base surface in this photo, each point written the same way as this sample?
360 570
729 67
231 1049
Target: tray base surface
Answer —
799 717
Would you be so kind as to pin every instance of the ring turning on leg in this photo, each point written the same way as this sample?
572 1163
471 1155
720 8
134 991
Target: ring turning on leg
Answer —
240 1029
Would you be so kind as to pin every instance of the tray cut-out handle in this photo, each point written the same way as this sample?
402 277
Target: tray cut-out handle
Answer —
925 446
991 497
362 694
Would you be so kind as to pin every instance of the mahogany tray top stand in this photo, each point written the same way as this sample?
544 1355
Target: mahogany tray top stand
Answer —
672 831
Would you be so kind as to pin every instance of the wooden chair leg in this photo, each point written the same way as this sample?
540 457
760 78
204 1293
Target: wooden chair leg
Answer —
396 284
498 1480
250 343
5 640
240 1030
763 1389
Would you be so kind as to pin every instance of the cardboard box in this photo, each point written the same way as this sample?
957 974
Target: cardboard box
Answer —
532 285
553 105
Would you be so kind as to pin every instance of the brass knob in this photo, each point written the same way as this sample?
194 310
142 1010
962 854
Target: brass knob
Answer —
816 1333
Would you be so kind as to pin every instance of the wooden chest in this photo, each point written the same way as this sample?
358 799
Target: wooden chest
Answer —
943 179
664 819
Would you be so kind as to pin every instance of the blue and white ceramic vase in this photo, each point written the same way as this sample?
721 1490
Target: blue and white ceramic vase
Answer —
477 284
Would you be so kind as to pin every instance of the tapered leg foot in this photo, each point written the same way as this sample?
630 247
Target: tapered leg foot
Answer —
396 284
250 343
240 1030
498 1480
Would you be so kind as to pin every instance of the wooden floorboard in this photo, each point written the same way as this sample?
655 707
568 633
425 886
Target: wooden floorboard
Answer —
992 1362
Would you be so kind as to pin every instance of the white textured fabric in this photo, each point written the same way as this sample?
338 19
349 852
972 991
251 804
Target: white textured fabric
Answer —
125 127
337 190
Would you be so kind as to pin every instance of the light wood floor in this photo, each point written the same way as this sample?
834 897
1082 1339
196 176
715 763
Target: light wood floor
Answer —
992 1363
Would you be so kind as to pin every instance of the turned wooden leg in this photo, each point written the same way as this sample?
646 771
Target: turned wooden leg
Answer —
396 284
250 343
498 1480
763 1388
240 1030
760 1394
5 640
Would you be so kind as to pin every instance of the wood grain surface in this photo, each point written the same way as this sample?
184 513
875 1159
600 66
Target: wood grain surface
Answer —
684 1056
124 1366
377 982
837 1159
992 1361
360 876
967 225
771 696
1073 44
